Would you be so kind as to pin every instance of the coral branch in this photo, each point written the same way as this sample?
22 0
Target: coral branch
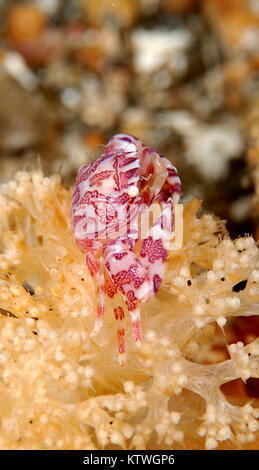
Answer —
62 389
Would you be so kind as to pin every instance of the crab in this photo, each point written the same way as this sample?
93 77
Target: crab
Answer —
110 196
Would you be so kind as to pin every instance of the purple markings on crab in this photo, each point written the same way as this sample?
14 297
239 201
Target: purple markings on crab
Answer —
103 196
156 283
172 172
176 188
127 139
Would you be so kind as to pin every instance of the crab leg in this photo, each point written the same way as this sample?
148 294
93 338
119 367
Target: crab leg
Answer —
105 286
154 248
139 279
119 316
130 278
96 271
136 324
112 293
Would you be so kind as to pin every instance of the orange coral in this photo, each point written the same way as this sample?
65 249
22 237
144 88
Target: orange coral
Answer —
60 389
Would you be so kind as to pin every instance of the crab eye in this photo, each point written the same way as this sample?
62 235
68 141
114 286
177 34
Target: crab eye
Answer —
133 191
131 148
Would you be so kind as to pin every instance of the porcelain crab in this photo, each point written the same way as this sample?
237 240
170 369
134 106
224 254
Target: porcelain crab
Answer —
109 197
